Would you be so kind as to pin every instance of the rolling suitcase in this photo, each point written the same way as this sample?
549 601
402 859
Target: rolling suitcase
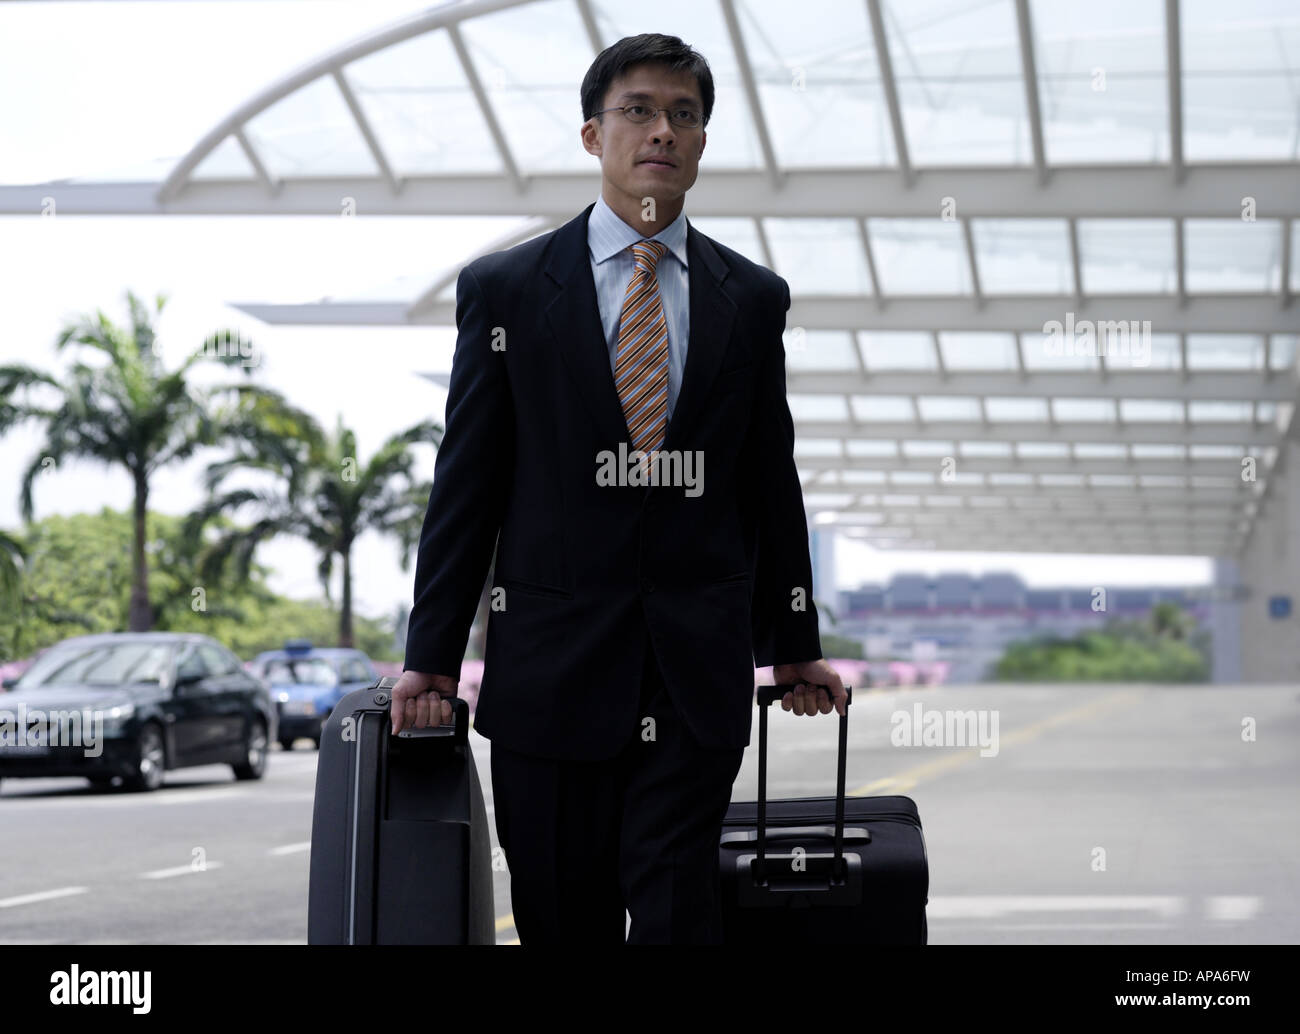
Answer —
822 870
400 844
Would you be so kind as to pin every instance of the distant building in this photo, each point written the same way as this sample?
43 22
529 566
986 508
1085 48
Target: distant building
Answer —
968 622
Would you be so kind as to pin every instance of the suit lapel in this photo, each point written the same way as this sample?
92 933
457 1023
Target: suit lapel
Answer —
712 314
574 319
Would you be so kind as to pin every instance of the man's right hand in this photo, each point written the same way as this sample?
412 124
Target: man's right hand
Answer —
421 700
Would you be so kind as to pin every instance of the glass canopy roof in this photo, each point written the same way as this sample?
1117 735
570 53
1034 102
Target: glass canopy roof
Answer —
1042 253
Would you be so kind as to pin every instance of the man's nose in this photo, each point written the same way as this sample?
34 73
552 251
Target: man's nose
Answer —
666 133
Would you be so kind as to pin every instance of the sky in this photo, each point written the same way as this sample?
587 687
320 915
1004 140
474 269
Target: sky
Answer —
99 88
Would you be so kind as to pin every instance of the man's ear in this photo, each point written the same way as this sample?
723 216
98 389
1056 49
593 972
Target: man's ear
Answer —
589 134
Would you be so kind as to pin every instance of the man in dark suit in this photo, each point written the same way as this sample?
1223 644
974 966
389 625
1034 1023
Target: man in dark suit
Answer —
597 368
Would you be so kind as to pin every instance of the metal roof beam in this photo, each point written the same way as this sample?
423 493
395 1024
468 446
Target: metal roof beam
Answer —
1029 71
889 86
1121 383
1174 76
485 106
1173 467
1220 433
1236 313
1121 191
1219 500
750 86
367 131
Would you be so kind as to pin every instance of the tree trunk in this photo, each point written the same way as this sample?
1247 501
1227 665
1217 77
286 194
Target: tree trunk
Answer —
140 615
345 610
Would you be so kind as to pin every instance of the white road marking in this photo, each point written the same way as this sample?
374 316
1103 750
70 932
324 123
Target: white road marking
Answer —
190 796
303 941
199 795
1076 926
42 895
304 845
1230 909
177 870
997 907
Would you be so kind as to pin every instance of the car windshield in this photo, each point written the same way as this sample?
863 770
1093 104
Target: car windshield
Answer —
104 665
305 670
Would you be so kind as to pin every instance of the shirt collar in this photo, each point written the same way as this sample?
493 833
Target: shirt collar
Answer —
607 234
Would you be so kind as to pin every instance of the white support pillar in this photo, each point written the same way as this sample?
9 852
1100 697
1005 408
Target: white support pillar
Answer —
1270 571
822 547
1225 623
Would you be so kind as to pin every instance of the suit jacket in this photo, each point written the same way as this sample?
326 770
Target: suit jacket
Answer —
721 580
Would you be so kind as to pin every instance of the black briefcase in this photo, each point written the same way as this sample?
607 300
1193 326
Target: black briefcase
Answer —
400 846
822 870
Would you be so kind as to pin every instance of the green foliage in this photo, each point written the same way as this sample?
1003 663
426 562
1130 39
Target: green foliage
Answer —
76 579
117 405
841 646
1164 647
319 491
12 558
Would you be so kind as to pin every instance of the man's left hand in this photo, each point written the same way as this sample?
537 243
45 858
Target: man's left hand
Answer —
808 698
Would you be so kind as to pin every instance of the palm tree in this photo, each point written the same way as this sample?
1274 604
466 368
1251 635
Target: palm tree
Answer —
12 556
319 492
130 412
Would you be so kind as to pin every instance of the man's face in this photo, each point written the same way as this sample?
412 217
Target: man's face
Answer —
624 146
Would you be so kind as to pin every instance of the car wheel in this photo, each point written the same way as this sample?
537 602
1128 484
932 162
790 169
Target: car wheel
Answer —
150 760
254 764
286 742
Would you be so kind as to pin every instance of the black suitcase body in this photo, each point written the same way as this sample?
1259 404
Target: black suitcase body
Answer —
822 870
400 844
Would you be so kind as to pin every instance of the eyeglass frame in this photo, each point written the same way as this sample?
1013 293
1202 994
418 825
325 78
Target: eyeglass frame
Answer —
637 104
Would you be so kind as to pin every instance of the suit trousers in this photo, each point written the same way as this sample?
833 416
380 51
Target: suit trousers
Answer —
588 841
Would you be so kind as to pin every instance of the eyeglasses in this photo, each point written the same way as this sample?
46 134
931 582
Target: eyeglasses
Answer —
683 118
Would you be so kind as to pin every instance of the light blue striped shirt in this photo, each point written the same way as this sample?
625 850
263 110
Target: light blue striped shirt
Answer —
609 240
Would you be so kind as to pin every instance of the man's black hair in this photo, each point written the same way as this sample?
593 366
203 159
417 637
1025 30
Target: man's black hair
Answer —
614 61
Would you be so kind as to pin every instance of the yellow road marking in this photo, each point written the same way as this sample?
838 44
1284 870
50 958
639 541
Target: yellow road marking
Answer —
906 780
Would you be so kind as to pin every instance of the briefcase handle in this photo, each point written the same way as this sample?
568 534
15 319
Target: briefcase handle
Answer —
768 695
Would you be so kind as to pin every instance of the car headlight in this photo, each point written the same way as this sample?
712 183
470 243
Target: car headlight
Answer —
114 718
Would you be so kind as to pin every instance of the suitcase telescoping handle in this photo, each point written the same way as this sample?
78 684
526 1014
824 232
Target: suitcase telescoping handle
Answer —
768 695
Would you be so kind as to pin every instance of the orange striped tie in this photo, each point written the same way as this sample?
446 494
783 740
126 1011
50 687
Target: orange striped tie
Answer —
641 365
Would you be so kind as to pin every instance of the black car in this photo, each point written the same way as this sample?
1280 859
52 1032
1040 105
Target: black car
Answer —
132 705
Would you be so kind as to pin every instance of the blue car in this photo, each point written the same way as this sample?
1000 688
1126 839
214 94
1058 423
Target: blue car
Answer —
307 681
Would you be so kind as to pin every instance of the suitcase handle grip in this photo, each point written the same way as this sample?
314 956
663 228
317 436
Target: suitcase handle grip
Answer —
459 728
768 695
771 694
